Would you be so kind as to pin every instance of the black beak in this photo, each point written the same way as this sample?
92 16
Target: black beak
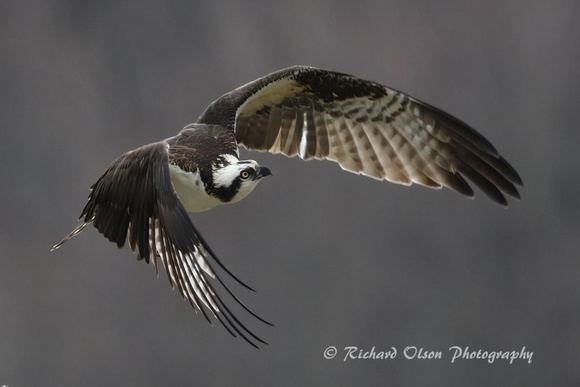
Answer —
262 172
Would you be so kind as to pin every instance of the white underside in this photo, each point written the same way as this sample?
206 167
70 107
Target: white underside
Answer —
190 190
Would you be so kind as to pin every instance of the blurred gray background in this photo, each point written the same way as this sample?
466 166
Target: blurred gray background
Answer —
336 259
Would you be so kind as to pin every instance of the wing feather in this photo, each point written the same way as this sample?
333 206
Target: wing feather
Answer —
365 127
134 201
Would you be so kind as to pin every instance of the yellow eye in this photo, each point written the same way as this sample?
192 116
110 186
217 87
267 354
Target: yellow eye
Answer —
245 174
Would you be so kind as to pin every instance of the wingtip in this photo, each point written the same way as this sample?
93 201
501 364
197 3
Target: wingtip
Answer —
73 233
253 344
268 323
59 244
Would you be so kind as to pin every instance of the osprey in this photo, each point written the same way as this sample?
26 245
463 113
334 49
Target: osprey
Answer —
367 128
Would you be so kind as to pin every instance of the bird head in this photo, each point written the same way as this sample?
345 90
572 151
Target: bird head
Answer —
234 181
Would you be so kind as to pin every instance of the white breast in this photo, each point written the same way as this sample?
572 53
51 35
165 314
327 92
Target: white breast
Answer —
190 190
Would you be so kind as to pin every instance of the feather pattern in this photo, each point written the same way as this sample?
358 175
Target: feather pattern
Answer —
365 127
134 201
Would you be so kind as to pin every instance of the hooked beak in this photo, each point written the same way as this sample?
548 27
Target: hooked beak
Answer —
262 172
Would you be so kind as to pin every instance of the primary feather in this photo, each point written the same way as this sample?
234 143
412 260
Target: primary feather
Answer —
367 128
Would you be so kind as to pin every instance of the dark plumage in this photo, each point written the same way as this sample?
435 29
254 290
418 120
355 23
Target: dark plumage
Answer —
365 127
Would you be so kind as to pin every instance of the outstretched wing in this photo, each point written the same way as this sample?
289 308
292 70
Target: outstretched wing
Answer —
134 201
365 127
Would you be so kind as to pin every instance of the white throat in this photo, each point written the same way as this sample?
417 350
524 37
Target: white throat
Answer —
190 190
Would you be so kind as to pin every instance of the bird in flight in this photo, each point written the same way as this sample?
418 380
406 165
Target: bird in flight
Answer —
144 196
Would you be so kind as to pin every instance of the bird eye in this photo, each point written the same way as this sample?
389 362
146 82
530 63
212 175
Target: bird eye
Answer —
245 174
